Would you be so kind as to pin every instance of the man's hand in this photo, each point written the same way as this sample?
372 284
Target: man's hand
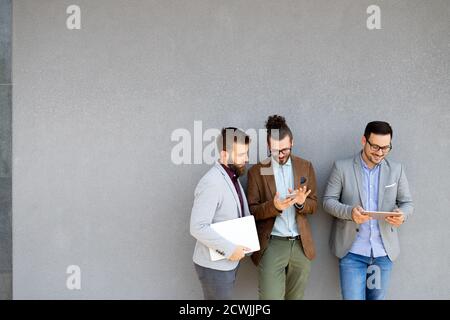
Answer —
302 194
396 221
358 216
282 204
238 253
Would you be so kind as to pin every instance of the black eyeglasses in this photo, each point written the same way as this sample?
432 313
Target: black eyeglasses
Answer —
376 148
284 151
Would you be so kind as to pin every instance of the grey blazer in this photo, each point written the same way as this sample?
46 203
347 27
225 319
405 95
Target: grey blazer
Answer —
344 191
215 200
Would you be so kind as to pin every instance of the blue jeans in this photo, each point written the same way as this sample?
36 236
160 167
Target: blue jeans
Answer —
364 278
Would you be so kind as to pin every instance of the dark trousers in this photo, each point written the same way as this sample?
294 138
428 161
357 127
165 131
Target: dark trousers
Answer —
216 284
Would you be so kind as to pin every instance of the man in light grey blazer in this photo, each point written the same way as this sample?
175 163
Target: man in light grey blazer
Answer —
219 197
366 247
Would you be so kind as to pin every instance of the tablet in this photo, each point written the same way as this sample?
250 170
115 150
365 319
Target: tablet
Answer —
381 215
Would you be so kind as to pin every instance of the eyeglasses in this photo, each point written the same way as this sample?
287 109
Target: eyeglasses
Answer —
376 148
284 151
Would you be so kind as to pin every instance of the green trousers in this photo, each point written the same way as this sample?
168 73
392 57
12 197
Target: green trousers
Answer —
283 271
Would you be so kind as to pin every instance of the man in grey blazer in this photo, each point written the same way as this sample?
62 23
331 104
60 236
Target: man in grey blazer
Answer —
367 247
219 197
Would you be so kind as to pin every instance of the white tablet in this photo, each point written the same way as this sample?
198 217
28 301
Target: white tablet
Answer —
381 215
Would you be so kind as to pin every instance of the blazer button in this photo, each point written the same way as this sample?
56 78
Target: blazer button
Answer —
357 230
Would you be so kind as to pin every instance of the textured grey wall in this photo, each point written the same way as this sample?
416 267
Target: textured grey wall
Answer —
5 151
94 109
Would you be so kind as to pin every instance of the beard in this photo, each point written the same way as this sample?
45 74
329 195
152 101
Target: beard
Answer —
239 170
282 162
373 158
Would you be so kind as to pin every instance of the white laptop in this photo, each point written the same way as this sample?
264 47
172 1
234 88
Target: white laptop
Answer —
240 231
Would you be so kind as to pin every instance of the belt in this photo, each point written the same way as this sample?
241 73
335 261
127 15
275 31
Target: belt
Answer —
285 238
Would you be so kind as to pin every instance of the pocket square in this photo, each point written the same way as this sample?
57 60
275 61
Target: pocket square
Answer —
391 185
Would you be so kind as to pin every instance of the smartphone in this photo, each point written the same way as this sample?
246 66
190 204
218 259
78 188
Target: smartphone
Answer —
291 195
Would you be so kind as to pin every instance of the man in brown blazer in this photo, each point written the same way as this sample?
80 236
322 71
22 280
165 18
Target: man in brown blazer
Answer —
281 193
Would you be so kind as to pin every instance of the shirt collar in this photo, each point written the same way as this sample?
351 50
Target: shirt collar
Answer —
229 171
275 164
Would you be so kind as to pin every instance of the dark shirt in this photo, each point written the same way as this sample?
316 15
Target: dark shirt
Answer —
234 179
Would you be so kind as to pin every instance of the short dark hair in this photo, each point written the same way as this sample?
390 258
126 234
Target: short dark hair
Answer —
278 123
229 136
378 127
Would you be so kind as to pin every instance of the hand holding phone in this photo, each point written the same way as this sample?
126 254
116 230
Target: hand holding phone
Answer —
291 195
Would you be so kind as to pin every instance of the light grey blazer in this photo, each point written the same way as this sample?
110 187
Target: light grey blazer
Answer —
344 191
215 200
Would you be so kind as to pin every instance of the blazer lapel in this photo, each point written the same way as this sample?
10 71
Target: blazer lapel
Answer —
244 198
231 186
358 174
268 175
382 180
296 172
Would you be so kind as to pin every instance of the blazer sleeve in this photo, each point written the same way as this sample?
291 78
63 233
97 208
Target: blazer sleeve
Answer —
259 207
404 199
332 195
310 205
207 199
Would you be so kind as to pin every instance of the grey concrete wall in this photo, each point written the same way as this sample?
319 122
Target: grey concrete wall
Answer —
94 109
5 151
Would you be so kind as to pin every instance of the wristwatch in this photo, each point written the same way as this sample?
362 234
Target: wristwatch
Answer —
299 207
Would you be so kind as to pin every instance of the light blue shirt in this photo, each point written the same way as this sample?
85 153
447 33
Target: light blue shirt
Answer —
285 223
368 240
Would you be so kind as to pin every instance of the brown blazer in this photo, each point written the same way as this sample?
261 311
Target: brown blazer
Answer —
261 191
